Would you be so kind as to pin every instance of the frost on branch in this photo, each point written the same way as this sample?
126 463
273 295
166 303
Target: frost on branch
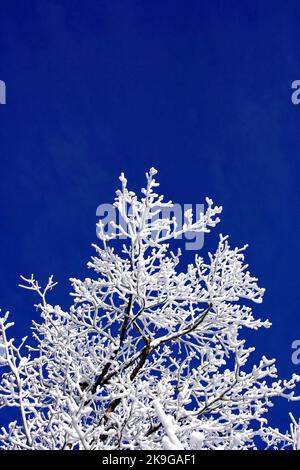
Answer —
150 353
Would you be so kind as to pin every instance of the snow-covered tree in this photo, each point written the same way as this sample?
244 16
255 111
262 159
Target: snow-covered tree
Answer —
149 355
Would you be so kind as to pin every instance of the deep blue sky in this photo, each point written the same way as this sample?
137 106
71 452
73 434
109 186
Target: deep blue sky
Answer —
199 89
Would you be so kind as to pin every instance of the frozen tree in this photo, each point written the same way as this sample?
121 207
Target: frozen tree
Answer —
149 355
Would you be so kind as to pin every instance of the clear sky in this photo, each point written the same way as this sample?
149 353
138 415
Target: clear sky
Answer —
199 89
